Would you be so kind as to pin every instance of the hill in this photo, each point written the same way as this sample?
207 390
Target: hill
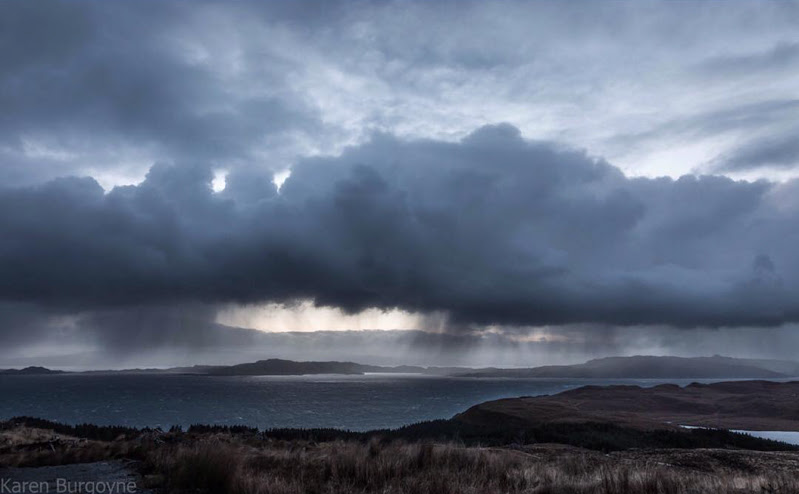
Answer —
277 367
747 405
280 367
650 367
33 370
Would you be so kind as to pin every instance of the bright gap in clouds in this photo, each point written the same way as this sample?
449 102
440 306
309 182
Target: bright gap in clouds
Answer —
304 316
280 177
219 182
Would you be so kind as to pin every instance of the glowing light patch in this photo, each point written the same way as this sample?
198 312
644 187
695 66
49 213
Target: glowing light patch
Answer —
280 177
219 181
304 316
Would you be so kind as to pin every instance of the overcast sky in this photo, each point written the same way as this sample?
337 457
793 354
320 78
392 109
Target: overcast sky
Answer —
595 178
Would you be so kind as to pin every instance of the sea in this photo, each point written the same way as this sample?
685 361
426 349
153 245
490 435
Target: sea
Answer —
358 402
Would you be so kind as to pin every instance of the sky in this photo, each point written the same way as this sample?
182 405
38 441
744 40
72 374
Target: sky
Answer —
487 183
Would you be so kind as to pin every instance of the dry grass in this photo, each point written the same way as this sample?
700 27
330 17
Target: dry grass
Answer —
400 468
219 463
30 447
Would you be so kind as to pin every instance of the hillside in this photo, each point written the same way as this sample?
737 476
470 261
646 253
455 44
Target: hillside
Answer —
748 405
649 367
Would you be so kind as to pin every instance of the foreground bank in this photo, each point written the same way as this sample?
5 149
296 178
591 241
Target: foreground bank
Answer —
419 459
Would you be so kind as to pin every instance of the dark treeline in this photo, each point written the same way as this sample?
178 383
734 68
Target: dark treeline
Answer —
590 435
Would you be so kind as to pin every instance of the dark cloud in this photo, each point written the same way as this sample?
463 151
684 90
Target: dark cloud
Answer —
24 323
780 150
96 79
491 230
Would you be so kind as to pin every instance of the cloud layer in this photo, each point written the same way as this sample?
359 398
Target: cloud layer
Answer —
106 89
403 195
494 229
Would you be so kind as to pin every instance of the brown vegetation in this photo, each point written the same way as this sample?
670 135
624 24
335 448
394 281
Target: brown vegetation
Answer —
748 405
24 446
221 462
422 468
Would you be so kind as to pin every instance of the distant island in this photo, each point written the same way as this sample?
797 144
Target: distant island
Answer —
649 367
636 367
280 367
28 371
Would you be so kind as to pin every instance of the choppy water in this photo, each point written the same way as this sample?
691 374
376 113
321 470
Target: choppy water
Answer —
348 402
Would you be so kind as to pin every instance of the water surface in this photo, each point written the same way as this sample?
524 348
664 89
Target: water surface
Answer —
347 402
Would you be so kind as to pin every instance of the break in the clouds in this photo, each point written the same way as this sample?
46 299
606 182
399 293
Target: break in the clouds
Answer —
458 164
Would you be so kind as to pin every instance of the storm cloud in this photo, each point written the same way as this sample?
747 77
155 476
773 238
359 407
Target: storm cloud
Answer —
637 183
99 89
494 229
